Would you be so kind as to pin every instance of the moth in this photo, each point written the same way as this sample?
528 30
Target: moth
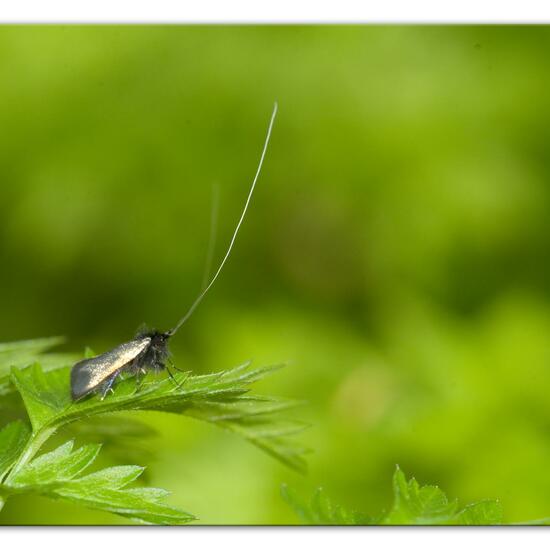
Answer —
149 348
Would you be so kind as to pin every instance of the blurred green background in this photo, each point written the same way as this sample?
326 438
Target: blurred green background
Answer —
396 252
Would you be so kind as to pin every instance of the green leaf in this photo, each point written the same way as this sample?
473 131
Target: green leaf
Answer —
25 352
320 510
15 351
44 393
427 505
59 465
413 505
55 475
13 438
113 478
219 398
484 512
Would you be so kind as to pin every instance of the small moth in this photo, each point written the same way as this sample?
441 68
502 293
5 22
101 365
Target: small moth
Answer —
149 349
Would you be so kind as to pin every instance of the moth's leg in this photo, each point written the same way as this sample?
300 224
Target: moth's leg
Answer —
107 385
140 375
127 370
173 378
141 372
172 364
186 373
137 368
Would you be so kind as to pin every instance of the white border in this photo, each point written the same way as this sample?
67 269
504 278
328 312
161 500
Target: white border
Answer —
283 11
273 11
275 538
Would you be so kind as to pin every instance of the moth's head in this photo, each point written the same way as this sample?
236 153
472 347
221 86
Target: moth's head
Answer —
159 338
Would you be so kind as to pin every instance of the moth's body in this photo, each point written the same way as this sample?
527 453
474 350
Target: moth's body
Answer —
146 351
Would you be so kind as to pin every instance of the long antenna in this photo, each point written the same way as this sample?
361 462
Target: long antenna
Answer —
214 214
204 292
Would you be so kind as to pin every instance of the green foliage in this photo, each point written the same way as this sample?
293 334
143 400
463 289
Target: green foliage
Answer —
413 505
220 398
57 474
13 438
427 505
23 353
320 510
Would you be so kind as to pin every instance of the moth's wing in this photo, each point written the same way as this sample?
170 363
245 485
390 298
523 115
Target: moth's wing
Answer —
88 374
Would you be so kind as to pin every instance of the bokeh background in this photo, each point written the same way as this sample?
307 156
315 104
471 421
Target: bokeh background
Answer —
396 252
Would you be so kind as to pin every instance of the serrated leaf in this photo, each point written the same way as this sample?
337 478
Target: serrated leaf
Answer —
13 438
413 505
36 345
54 474
127 504
45 394
60 465
115 477
218 398
484 512
300 508
417 505
26 352
428 505
320 510
150 493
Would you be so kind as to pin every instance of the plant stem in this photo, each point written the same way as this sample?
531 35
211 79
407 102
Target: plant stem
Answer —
33 446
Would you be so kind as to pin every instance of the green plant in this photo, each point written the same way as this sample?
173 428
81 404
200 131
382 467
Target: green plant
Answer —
321 510
220 398
413 504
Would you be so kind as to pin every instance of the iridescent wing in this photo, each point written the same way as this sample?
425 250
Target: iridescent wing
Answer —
88 374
